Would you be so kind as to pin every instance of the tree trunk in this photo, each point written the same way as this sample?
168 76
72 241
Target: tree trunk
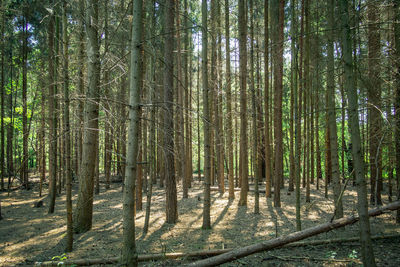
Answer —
254 113
397 99
25 131
374 99
128 252
229 103
277 17
52 103
293 30
170 179
206 118
107 106
243 103
2 100
365 233
68 169
84 207
267 103
331 109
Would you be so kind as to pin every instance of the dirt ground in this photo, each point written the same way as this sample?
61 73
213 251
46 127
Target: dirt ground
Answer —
29 235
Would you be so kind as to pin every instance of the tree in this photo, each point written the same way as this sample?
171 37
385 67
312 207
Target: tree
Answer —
243 103
277 17
170 179
396 5
129 254
266 103
84 206
67 135
2 101
229 103
374 99
25 132
332 115
296 111
206 118
254 113
52 104
365 234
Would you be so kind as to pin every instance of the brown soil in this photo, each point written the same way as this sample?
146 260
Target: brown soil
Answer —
28 234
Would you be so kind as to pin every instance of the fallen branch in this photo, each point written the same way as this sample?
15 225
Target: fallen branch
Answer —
203 253
291 258
211 253
296 236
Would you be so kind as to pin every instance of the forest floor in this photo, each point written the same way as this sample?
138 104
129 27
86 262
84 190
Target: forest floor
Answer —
29 235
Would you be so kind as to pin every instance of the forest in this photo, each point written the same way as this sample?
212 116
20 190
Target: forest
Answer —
200 133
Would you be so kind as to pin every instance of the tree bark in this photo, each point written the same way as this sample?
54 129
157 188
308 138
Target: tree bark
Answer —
128 251
331 107
374 99
67 137
267 103
84 207
277 17
397 99
206 119
365 233
170 179
52 103
229 103
243 103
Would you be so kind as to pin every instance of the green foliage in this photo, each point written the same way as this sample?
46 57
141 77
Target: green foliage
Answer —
331 254
353 254
62 258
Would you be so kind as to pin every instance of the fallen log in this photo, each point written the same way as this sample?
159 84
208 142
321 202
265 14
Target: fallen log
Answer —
296 236
141 258
211 253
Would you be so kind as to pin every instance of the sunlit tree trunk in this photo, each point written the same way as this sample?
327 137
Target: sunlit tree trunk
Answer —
84 207
128 251
331 109
365 234
170 179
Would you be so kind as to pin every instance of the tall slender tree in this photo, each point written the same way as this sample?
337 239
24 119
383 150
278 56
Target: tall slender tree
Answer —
84 206
170 179
346 40
206 118
243 103
67 134
332 115
52 104
129 254
267 150
396 6
374 99
229 103
277 17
